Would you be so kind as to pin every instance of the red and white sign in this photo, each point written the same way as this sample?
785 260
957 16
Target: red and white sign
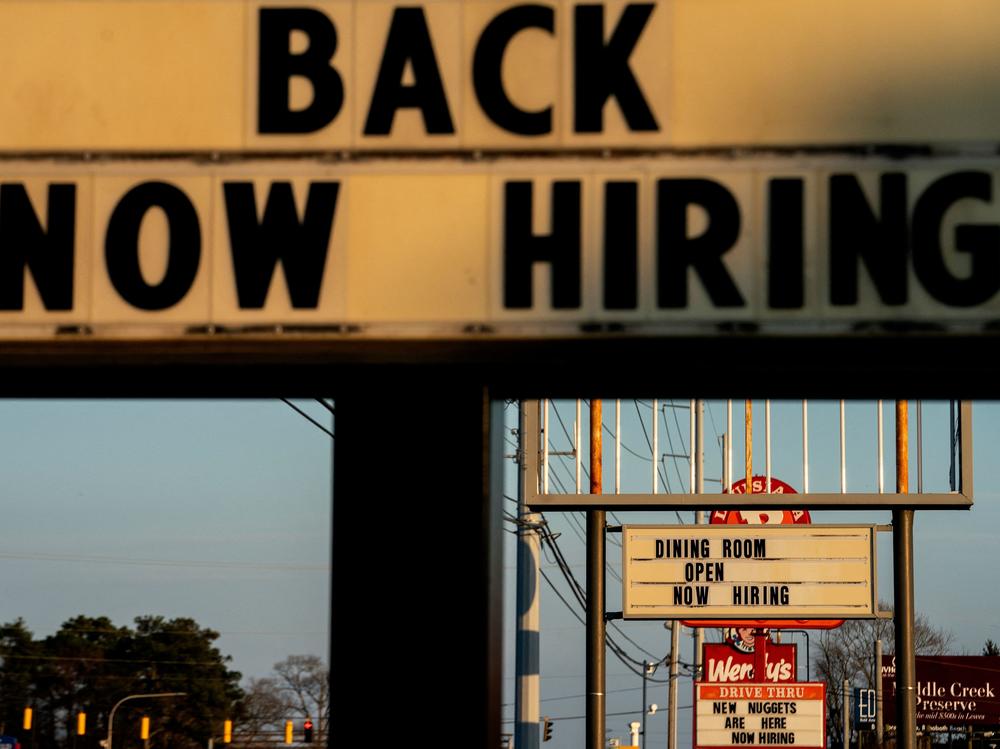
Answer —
725 663
754 714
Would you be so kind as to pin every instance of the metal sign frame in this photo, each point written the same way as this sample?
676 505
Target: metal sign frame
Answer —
539 502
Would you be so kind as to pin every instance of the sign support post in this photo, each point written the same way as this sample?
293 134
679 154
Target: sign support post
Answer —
699 516
902 551
845 712
596 534
879 719
675 643
528 619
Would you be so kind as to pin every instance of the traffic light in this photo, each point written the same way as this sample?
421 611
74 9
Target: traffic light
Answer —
227 732
288 732
307 731
546 728
144 729
81 724
26 725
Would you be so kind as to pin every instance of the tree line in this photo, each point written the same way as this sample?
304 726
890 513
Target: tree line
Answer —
90 664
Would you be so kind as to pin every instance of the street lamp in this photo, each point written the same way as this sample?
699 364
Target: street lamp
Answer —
648 669
111 718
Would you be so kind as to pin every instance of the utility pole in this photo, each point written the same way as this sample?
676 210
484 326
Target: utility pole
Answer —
902 551
845 713
675 644
699 516
596 533
879 723
526 656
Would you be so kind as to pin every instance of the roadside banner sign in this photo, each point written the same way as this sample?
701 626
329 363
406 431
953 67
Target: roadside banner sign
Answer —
951 690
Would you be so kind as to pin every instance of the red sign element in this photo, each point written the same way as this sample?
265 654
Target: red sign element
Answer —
763 517
724 663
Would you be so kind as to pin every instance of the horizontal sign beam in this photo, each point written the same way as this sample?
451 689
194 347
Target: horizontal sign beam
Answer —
810 501
748 572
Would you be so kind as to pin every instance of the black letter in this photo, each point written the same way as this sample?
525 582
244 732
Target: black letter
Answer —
409 39
561 248
121 246
487 69
301 247
676 251
982 242
785 244
47 253
278 65
602 71
855 232
621 242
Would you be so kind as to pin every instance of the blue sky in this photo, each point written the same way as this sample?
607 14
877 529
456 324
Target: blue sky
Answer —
954 577
220 510
215 510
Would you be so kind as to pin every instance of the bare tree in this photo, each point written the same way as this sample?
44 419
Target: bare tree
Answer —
304 681
261 714
848 653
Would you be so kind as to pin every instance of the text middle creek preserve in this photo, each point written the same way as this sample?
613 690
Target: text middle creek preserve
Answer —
873 241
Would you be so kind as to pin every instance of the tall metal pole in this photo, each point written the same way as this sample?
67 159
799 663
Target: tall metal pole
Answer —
595 591
748 443
699 516
645 709
902 552
675 645
845 713
526 655
879 722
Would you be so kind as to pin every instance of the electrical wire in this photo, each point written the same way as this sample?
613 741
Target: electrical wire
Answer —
307 417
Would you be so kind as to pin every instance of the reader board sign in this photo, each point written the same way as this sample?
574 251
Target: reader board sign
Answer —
772 715
746 571
508 248
951 690
724 662
453 75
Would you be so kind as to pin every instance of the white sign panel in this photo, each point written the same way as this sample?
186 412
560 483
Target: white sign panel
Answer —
453 75
506 248
771 715
748 572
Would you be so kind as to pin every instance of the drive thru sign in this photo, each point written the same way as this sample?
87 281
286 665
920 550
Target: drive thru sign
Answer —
772 715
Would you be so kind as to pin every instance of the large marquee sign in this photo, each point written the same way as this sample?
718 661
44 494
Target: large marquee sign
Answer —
772 715
469 169
515 248
748 572
466 75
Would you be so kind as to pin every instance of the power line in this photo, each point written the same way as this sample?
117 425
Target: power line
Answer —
307 417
